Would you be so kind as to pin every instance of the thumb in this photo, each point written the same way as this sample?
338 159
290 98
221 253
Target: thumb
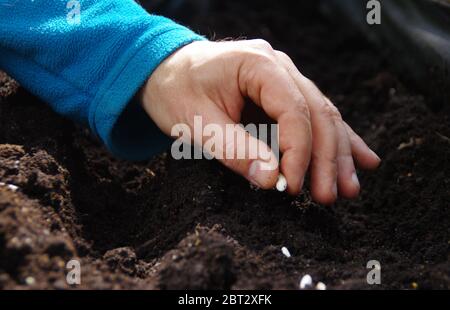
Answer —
235 148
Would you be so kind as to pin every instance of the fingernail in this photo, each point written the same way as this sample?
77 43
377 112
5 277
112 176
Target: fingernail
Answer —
259 172
334 190
355 179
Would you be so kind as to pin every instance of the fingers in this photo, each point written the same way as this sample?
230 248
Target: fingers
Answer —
364 156
324 154
239 151
325 136
347 179
295 148
326 170
272 88
311 130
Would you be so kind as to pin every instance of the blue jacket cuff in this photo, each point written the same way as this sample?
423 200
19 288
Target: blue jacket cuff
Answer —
114 116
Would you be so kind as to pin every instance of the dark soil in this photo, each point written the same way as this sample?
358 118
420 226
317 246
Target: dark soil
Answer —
193 224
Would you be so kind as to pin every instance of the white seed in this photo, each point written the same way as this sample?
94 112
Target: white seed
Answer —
321 286
285 252
281 183
12 187
30 280
305 282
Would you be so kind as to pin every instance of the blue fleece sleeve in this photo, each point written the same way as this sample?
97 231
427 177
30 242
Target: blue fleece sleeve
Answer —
87 59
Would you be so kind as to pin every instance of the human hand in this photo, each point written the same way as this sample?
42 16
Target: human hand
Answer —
212 80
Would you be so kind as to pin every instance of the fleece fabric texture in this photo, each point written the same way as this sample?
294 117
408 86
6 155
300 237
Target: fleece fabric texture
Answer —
87 59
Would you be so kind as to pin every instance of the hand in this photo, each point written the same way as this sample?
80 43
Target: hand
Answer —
212 80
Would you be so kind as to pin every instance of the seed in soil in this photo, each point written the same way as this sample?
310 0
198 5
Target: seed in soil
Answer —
11 187
285 251
30 280
321 286
305 282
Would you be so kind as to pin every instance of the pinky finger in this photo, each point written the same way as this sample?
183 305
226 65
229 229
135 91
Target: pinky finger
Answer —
363 155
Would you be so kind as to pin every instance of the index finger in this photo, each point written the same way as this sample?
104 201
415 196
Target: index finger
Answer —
271 87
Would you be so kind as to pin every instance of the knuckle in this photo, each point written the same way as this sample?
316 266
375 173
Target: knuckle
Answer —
262 48
311 84
320 158
331 112
302 108
262 44
263 59
284 56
